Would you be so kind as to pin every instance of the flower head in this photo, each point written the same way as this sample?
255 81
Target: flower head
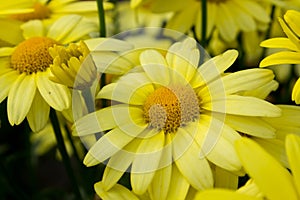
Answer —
25 71
167 120
291 46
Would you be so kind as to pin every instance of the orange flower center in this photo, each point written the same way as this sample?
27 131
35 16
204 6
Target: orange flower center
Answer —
32 55
168 108
40 12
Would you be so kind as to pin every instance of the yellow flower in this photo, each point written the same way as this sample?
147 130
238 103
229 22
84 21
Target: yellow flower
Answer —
291 46
273 180
72 66
168 124
229 17
24 70
25 10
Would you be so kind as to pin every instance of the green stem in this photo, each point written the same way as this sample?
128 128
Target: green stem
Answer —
204 23
102 33
101 16
64 154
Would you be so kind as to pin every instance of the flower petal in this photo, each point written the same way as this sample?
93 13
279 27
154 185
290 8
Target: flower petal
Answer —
62 27
56 95
33 28
225 179
279 42
133 88
110 143
38 114
283 57
146 162
179 186
20 98
117 192
243 105
273 179
186 156
292 18
7 81
292 144
222 194
296 92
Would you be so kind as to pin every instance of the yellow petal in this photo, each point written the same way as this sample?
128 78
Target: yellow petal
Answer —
291 35
242 105
146 162
254 9
292 18
20 98
56 95
117 192
15 35
179 186
38 114
6 51
63 26
263 91
110 143
225 179
107 44
283 57
152 57
7 81
273 179
292 144
279 42
222 194
296 92
33 28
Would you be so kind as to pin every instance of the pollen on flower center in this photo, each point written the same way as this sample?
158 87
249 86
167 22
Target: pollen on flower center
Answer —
168 108
32 55
40 12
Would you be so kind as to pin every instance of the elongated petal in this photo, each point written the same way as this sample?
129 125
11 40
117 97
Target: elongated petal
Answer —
179 186
110 143
56 95
107 44
116 192
7 81
273 179
291 35
296 92
186 155
63 26
292 18
107 118
292 144
159 186
222 194
38 114
20 98
225 179
254 9
263 91
279 42
146 162
283 57
241 105
251 125
212 68
152 57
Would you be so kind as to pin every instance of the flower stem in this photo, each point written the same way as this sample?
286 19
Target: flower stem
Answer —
204 23
101 16
64 154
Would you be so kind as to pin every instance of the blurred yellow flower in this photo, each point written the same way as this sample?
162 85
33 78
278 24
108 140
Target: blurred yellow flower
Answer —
25 10
229 17
290 45
273 180
172 110
25 70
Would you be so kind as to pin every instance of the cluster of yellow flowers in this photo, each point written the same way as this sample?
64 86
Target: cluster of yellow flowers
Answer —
131 85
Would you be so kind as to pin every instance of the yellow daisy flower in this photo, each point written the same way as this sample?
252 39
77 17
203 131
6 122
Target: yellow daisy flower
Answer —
25 10
229 17
273 180
24 70
290 45
171 110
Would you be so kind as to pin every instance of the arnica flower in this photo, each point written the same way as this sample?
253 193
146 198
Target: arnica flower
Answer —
290 47
273 180
25 70
72 66
168 126
25 10
229 17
